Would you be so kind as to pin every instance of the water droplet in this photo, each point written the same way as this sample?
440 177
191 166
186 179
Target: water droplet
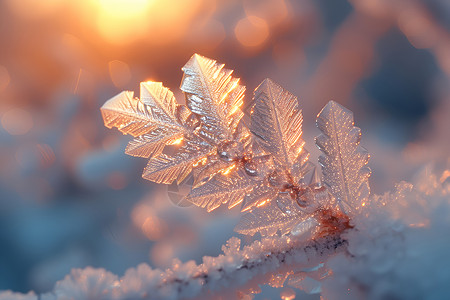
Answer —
230 150
251 168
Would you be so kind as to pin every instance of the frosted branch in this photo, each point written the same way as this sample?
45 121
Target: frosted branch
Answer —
237 270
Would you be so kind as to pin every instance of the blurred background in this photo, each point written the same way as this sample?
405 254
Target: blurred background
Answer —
71 198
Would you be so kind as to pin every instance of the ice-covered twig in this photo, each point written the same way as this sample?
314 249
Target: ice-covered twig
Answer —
236 271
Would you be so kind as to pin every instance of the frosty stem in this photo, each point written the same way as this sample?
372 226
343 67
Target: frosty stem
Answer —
245 269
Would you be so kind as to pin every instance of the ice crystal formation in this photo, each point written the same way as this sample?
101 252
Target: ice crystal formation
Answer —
221 154
258 160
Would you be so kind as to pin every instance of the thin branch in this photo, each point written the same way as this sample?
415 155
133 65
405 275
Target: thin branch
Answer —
236 271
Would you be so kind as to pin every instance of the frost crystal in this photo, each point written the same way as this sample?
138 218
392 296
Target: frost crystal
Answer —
344 161
258 161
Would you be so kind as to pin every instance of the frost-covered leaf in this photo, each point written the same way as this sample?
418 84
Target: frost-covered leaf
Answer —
224 188
212 166
214 95
128 114
167 168
152 143
277 119
263 193
343 161
156 118
276 122
269 218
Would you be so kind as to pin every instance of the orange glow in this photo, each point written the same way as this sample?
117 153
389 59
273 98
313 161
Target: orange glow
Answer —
153 228
123 8
251 31
287 294
145 219
119 72
17 121
262 203
231 89
156 21
122 21
445 176
228 170
200 162
177 141
234 109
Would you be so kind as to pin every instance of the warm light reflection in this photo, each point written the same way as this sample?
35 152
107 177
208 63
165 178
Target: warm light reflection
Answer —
123 8
234 109
157 21
177 141
145 218
201 161
121 21
262 203
17 121
445 176
287 294
152 228
228 170
251 31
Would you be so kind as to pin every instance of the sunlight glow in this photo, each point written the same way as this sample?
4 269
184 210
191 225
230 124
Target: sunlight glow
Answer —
120 20
177 141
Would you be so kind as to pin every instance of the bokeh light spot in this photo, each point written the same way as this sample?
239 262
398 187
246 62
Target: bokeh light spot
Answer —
17 121
251 31
153 228
287 294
